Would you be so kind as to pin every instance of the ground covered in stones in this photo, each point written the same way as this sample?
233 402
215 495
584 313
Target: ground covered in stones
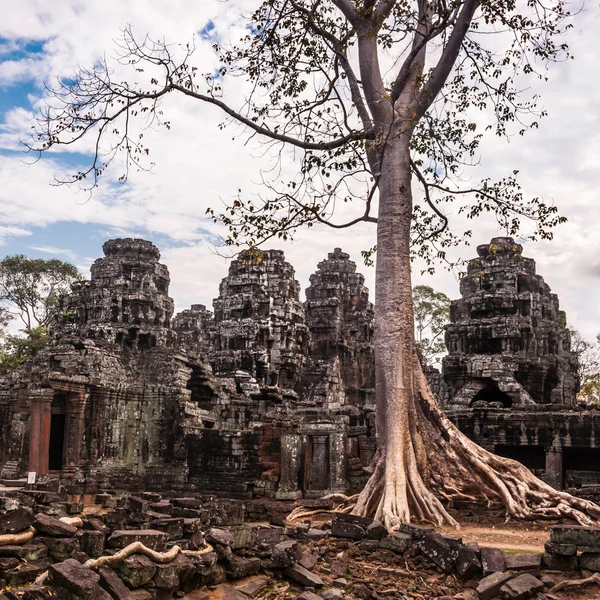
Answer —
207 548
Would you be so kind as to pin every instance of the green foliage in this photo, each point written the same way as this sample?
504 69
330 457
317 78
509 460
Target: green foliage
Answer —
17 349
588 355
30 287
431 313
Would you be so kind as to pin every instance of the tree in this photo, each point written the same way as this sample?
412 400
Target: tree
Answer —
371 97
30 287
432 311
18 348
588 356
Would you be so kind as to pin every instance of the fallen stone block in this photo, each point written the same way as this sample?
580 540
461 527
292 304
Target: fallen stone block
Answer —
75 578
61 548
53 527
15 521
492 561
113 584
27 572
468 564
521 587
136 570
590 561
285 554
338 566
523 562
306 595
308 560
253 586
416 532
575 534
92 543
27 552
303 576
238 567
172 526
219 536
438 550
560 549
397 542
560 563
157 540
489 586
332 594
376 531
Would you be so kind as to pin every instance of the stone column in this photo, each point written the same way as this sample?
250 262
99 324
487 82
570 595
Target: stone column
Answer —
338 481
319 469
75 431
39 429
291 451
554 467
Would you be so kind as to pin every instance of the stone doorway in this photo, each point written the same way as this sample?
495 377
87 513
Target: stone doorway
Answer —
56 450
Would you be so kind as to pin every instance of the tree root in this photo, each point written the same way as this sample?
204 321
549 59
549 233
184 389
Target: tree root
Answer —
345 505
17 539
573 583
135 548
73 521
205 550
427 459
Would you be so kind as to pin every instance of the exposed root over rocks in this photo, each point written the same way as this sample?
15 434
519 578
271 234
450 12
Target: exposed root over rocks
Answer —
427 460
575 583
135 548
17 539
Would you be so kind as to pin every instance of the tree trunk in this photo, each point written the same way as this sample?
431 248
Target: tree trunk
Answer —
422 458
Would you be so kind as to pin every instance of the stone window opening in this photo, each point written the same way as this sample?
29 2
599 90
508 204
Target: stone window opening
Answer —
492 393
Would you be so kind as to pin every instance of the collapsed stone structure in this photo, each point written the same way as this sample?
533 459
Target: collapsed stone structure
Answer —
510 377
271 397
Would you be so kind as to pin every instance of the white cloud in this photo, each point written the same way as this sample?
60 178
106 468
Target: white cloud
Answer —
197 165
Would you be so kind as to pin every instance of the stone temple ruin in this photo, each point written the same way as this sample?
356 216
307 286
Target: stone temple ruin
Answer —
272 397
242 402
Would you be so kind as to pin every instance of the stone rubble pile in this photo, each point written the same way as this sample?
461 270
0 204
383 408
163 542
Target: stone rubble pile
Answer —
45 542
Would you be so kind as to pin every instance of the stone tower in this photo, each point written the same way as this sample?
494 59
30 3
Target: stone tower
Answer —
125 302
192 327
259 322
507 341
340 319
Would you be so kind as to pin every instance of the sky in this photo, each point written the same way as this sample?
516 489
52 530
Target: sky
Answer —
196 165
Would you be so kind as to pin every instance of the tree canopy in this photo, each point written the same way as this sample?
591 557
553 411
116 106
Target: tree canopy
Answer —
432 312
30 287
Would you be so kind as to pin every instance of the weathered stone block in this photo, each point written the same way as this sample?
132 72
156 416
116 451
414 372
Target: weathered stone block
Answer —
397 542
303 576
521 587
53 527
438 550
522 562
157 540
136 570
489 586
560 563
492 561
590 561
468 564
575 534
75 578
92 543
113 584
15 520
560 549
